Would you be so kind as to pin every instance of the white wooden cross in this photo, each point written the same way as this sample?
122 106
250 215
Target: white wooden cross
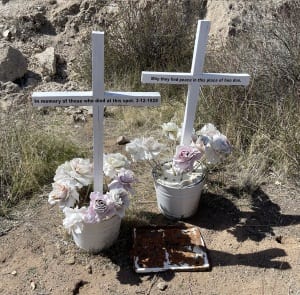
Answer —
98 98
195 79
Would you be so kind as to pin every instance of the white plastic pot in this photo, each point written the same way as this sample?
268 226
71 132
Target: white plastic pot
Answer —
178 202
98 236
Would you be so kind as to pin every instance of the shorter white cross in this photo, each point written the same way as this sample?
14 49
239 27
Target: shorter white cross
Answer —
195 79
98 98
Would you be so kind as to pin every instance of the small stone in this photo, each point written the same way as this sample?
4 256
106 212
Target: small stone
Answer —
70 260
2 259
162 286
32 285
89 269
14 273
122 140
47 79
7 34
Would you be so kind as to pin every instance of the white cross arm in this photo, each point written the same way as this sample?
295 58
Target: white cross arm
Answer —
85 98
199 79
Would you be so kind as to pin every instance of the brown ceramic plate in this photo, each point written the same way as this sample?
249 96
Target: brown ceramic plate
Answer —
169 248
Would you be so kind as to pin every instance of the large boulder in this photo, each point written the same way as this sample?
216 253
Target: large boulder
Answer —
13 64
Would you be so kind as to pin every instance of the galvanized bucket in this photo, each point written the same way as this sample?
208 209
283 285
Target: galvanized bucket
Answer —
178 203
98 236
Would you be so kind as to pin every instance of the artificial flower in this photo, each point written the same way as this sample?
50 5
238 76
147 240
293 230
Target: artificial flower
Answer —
74 219
124 179
64 193
113 163
216 144
185 158
146 148
77 169
136 150
119 197
210 130
101 207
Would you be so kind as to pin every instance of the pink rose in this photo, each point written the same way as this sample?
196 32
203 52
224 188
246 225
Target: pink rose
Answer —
100 207
124 179
185 158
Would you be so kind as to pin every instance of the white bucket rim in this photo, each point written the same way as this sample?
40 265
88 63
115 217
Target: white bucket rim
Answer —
154 175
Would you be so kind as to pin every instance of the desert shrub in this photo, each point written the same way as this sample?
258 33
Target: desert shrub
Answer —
152 35
148 35
31 150
263 119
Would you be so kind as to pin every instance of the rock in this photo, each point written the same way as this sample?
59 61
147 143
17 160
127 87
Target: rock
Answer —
32 285
89 269
13 64
14 272
7 34
64 13
2 258
121 140
47 60
29 25
47 79
70 260
9 87
162 286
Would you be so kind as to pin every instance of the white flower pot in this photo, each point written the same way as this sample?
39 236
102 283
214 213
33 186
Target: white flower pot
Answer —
98 236
178 202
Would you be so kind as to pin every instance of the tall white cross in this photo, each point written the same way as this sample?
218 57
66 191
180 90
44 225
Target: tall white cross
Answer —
195 79
98 98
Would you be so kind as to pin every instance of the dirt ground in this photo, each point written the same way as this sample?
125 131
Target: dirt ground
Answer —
253 242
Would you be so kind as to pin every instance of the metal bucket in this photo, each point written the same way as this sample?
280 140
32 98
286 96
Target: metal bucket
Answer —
98 236
178 203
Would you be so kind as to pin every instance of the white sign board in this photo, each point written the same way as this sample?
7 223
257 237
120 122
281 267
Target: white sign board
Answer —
98 98
195 79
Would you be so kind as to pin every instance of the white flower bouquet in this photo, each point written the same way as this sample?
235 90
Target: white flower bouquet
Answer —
207 145
179 181
70 191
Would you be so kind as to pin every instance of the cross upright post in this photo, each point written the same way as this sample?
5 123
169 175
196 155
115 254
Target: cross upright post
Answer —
195 79
98 98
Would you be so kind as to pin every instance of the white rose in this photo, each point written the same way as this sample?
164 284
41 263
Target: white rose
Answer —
64 193
77 169
113 163
82 170
135 149
152 148
73 220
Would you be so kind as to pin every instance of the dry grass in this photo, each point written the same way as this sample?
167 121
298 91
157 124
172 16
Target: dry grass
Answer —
262 120
32 146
